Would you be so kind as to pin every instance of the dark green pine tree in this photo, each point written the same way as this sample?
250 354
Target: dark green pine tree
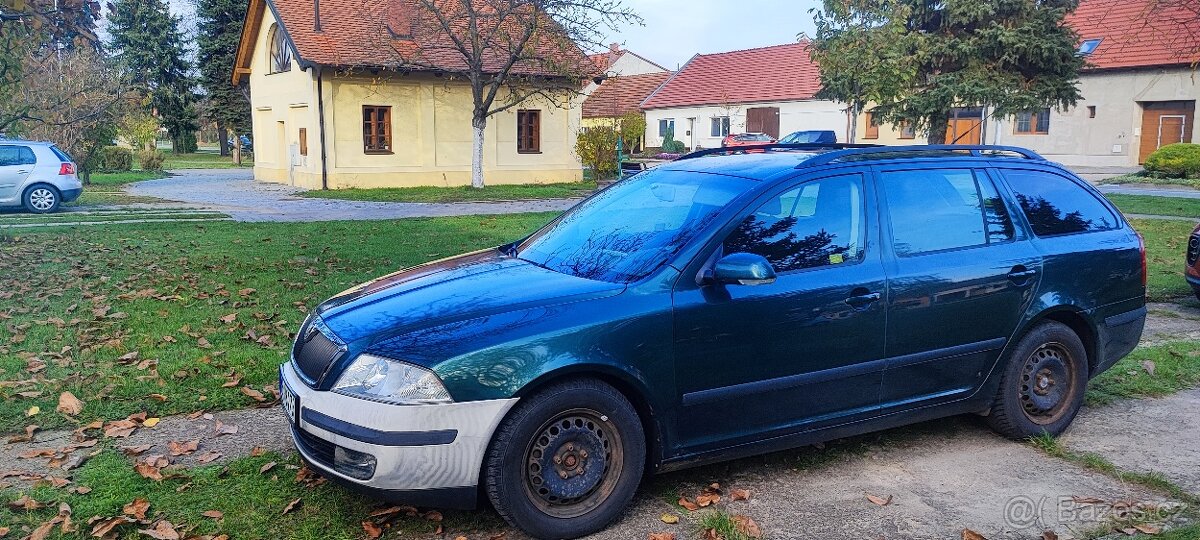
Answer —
219 29
918 59
147 41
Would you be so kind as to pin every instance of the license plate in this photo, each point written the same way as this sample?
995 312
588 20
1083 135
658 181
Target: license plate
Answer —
290 402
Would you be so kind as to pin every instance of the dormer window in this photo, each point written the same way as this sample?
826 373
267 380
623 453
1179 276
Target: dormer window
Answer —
281 54
1089 46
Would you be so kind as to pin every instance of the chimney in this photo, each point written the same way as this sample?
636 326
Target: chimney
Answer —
316 15
614 48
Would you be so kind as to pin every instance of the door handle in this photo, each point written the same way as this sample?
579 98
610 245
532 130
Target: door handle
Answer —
23 172
861 301
1021 275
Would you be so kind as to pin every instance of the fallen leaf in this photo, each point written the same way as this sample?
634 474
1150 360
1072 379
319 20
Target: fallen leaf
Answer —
879 501
1148 528
33 410
69 404
83 490
120 428
163 530
291 506
203 343
225 429
266 467
432 515
150 422
372 530
739 495
208 456
968 534
137 508
215 514
254 394
705 499
27 437
182 448
25 503
689 505
1149 366
669 519
662 536
157 397
135 450
1049 535
148 470
228 319
104 528
747 526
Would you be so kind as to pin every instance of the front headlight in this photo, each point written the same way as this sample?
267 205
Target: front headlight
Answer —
392 381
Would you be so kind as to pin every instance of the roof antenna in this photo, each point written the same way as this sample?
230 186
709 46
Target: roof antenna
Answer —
316 15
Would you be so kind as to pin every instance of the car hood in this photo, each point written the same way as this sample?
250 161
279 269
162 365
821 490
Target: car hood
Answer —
456 289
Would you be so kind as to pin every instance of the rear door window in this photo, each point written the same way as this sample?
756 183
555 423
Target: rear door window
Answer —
1056 205
16 155
942 209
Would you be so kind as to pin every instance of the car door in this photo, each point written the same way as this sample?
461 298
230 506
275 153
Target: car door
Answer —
758 361
15 166
960 276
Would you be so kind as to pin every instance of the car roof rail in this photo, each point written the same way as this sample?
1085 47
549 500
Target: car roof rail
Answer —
773 146
939 150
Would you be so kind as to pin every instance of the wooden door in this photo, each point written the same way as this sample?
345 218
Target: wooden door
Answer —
1165 122
965 126
763 120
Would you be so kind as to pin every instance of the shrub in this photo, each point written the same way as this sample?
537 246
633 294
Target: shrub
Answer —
1175 161
151 160
670 145
116 159
597 148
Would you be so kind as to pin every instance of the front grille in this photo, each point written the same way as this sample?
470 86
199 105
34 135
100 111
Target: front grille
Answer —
314 351
352 463
1193 252
316 447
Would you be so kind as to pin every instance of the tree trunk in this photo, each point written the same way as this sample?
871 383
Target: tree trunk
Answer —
938 124
223 139
237 152
478 124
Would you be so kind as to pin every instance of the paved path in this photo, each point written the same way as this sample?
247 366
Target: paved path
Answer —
1150 189
234 192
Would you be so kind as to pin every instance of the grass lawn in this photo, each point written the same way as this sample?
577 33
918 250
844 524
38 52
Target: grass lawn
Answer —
1142 178
1159 206
74 302
459 193
251 503
204 160
1166 242
1176 367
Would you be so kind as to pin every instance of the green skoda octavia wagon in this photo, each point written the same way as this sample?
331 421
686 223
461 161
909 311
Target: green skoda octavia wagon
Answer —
731 303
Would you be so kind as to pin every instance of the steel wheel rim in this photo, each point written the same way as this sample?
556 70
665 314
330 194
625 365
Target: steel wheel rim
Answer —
1047 386
42 199
585 446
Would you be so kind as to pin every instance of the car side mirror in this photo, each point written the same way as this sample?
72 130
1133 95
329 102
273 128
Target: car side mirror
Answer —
743 269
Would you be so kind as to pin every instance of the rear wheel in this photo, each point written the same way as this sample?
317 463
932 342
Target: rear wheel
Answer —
567 460
1043 384
42 199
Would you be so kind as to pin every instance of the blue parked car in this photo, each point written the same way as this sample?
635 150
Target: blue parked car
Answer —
810 137
731 303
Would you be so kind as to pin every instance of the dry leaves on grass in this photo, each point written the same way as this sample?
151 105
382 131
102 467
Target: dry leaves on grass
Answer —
747 526
68 404
214 514
163 530
710 495
25 503
291 506
105 527
373 531
254 394
151 466
266 467
136 508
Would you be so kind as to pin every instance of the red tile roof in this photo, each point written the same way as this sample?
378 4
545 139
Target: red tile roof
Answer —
1136 33
779 73
399 34
620 95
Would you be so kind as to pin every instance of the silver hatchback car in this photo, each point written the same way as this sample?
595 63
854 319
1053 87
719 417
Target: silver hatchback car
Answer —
36 175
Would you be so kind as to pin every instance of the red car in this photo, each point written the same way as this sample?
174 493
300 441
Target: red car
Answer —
746 139
1193 261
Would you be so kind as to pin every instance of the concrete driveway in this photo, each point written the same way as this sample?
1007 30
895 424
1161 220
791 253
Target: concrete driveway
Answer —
234 192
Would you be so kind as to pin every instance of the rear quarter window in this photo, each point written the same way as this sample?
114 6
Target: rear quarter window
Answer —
1056 205
16 155
61 155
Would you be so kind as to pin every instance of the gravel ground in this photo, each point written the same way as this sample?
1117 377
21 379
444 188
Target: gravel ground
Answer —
234 192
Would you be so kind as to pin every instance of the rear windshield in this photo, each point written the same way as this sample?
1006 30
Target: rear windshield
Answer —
1056 205
630 229
61 155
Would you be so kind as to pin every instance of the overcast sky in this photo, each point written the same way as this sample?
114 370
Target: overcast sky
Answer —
677 29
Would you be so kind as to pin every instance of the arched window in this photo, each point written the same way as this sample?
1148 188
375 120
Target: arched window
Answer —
281 54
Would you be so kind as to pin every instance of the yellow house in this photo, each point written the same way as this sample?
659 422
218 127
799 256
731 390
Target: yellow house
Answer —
618 96
343 96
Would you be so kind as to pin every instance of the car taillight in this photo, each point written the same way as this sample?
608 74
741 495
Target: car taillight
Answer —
1145 268
66 169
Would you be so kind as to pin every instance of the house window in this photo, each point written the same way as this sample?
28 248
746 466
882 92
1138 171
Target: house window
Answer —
377 129
872 127
1091 111
1089 46
1034 122
907 131
720 126
666 125
281 54
304 141
529 131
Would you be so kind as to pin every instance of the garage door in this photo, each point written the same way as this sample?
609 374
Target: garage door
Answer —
763 120
1165 122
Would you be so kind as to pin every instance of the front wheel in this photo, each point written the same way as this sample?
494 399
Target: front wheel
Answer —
42 199
1043 385
567 460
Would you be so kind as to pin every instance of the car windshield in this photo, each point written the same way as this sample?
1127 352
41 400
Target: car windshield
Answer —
630 229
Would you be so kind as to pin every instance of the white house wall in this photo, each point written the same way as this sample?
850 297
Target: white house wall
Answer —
793 116
1113 137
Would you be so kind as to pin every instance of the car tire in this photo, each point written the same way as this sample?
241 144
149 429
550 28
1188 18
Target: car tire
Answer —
1043 384
567 460
42 199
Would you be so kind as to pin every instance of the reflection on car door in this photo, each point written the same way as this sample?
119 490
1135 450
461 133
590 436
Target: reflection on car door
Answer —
804 351
14 168
959 279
